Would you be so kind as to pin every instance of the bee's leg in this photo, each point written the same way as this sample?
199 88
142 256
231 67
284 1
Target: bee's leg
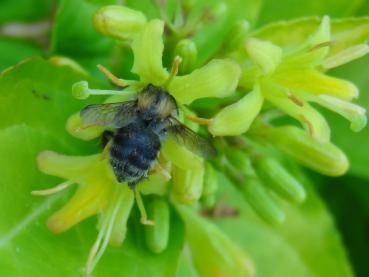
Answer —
106 142
157 167
144 220
106 137
114 79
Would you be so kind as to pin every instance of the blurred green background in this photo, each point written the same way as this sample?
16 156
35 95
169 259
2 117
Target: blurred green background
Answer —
45 28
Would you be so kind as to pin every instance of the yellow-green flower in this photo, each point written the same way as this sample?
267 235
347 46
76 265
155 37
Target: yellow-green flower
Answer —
99 192
291 80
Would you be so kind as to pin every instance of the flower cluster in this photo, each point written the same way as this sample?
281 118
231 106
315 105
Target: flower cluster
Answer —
260 72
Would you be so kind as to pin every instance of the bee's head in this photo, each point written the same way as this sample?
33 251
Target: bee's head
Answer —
156 102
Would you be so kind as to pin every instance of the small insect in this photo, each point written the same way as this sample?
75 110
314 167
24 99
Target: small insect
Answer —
142 124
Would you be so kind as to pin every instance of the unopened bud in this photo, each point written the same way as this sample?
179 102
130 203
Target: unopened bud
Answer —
212 252
77 128
236 35
157 235
324 157
119 22
279 179
257 196
187 50
188 184
64 61
210 186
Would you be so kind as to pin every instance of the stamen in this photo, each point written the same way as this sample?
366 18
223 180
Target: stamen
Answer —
295 99
198 120
308 124
321 45
174 70
142 209
114 79
53 190
96 251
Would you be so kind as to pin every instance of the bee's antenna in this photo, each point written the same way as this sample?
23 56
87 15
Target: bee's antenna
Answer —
53 190
114 79
174 70
141 207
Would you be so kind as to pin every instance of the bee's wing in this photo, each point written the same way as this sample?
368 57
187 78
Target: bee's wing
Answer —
115 115
191 140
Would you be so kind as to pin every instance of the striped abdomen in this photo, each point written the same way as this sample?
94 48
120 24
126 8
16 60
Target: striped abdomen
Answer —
133 152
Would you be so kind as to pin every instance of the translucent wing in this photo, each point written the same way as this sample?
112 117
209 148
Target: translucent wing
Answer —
115 115
191 140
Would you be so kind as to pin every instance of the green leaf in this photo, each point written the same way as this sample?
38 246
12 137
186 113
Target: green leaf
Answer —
32 122
13 51
272 10
73 34
307 244
24 10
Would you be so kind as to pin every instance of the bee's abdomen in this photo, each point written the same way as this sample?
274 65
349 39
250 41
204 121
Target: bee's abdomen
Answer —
133 152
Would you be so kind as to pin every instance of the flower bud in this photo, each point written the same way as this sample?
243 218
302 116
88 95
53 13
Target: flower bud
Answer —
236 35
188 184
323 157
257 196
187 50
77 128
264 54
64 61
252 188
157 235
210 186
279 179
212 252
236 119
119 22
180 156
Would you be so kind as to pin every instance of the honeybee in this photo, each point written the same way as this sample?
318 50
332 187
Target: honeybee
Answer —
141 126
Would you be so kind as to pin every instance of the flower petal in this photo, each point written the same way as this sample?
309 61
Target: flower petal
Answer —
317 83
87 201
346 55
148 50
236 119
119 229
350 111
218 78
299 109
264 54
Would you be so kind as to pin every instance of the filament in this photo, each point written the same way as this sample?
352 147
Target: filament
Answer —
53 190
114 79
98 249
174 70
